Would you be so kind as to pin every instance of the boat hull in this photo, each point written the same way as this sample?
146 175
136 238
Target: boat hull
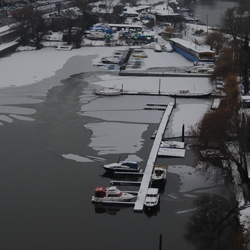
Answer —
190 95
112 170
126 166
152 199
159 177
158 182
126 197
108 92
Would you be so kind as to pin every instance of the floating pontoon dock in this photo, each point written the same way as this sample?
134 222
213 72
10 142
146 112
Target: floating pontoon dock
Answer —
126 183
151 160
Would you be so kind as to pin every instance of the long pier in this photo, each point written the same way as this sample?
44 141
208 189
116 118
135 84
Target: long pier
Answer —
139 203
161 74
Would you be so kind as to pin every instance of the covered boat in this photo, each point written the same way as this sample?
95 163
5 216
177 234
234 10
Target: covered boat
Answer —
186 93
122 166
111 194
108 92
152 198
159 175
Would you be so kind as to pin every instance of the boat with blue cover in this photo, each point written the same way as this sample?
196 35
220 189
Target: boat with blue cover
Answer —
122 166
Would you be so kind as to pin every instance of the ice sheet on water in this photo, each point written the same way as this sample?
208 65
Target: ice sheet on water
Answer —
6 118
23 118
77 158
195 182
114 138
17 110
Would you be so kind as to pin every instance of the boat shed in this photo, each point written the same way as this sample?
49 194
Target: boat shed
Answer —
192 51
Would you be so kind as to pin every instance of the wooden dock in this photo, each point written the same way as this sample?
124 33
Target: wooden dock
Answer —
151 160
161 74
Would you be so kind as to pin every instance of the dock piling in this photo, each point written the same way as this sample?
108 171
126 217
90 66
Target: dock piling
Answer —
160 242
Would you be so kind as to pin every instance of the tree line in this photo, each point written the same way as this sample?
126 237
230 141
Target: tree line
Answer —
32 23
227 128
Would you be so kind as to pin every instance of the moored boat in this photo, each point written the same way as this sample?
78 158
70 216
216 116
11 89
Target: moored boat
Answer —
152 198
64 47
122 166
111 60
186 93
108 92
201 69
159 175
111 194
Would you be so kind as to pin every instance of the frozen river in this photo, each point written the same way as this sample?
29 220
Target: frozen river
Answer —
56 134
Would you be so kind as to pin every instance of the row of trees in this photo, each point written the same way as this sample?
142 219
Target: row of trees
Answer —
31 24
227 128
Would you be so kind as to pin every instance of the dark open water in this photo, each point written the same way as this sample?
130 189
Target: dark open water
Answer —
46 199
210 11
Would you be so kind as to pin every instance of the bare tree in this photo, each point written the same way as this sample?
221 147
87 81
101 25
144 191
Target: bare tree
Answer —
223 129
225 64
84 21
30 25
69 22
215 40
215 221
24 20
231 23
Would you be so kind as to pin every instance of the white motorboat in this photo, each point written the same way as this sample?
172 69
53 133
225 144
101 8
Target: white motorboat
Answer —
108 91
186 93
159 175
152 198
201 69
157 47
64 47
122 166
111 194
111 60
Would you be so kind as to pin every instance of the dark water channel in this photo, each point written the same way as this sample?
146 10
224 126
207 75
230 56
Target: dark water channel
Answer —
210 11
46 199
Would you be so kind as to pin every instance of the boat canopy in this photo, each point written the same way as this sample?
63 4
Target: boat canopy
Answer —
100 192
131 164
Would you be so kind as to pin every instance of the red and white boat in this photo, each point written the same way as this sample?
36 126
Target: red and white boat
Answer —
111 194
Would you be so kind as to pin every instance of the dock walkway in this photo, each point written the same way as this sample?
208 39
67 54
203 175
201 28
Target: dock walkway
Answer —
151 160
160 73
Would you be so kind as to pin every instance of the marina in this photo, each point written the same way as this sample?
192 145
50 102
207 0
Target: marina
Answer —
142 197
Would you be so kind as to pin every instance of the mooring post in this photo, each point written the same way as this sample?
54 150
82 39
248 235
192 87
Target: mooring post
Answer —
159 87
183 132
160 242
175 101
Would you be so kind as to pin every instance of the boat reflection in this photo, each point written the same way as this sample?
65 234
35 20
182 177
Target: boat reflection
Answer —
124 176
109 209
152 212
